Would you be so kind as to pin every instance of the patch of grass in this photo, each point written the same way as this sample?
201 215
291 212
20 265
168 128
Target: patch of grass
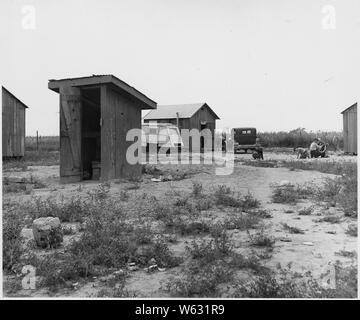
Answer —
133 186
101 192
251 262
204 204
347 254
329 192
158 250
284 194
242 221
267 286
262 164
12 240
124 195
306 211
24 185
161 211
118 291
218 247
14 165
293 230
261 239
200 281
14 187
225 197
291 194
197 189
288 284
347 198
332 167
330 219
249 202
262 214
134 178
151 170
36 182
57 270
352 230
181 202
195 227
74 209
143 234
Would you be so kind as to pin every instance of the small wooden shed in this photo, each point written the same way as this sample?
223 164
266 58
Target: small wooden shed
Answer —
186 116
96 113
350 129
13 125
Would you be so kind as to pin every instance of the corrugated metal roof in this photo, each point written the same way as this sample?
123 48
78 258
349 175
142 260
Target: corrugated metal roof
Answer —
169 111
352 106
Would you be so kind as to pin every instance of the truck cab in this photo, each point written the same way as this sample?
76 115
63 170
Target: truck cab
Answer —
245 139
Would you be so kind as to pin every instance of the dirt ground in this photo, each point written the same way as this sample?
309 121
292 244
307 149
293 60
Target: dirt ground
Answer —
313 250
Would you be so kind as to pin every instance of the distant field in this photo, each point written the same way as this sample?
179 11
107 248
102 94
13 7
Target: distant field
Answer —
46 150
298 138
45 143
281 139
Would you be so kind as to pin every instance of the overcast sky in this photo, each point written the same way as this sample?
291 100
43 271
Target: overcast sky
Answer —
276 65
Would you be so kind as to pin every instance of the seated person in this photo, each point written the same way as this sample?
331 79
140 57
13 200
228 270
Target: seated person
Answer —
317 148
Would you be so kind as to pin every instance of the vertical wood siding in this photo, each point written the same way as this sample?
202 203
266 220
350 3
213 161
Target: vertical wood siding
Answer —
350 130
13 126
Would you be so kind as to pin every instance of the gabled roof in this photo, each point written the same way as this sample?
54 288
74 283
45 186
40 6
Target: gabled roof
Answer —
184 110
352 106
22 103
103 79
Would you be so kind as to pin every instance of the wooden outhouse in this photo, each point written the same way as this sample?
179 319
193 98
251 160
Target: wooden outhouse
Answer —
96 113
13 125
350 129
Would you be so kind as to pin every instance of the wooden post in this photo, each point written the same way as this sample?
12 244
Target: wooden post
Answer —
177 119
37 141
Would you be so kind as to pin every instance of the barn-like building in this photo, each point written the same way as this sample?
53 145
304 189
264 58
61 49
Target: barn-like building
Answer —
96 114
13 125
186 116
350 129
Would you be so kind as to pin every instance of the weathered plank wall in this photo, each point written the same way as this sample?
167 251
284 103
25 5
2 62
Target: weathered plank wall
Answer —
119 114
350 130
202 115
13 126
70 134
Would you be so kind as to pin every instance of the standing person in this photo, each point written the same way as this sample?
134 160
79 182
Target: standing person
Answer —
259 149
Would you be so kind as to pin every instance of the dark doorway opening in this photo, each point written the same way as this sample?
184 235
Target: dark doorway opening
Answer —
202 139
91 133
